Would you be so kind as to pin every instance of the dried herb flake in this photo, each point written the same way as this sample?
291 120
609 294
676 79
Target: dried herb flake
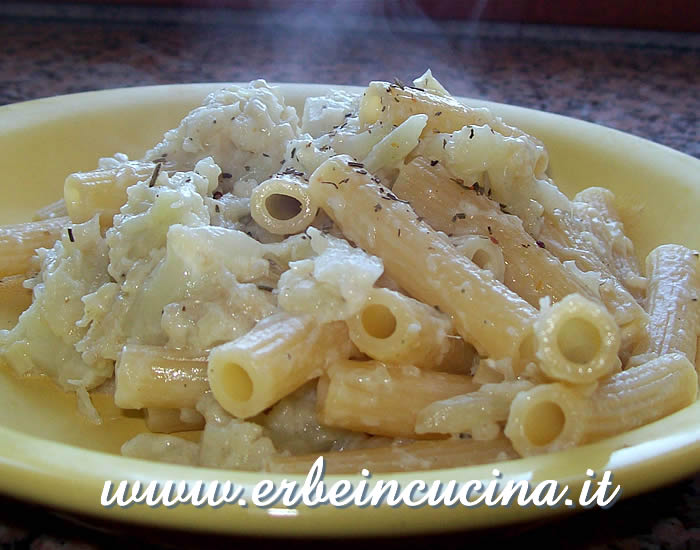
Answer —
154 176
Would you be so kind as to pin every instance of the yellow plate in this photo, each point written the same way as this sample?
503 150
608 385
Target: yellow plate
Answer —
50 454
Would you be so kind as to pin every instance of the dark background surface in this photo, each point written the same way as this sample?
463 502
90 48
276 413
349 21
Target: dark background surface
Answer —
645 82
642 82
672 15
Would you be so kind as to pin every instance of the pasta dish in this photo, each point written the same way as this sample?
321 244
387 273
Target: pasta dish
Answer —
389 279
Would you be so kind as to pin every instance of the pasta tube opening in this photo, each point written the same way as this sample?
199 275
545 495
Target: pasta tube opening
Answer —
279 355
547 418
378 321
282 206
528 349
544 423
483 253
481 258
395 328
577 341
236 381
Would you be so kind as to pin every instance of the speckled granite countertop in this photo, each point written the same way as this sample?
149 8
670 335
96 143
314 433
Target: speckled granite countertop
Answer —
643 83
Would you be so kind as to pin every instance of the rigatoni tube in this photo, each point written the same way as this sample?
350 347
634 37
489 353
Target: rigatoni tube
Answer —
552 417
530 270
54 210
575 235
577 341
282 205
393 327
152 376
393 104
483 252
377 398
19 242
640 395
545 419
622 259
424 263
478 413
673 300
103 192
280 354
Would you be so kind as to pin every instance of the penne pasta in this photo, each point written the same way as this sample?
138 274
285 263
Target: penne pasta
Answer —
577 341
622 259
553 417
54 210
18 244
569 238
639 395
673 300
377 398
420 260
478 413
546 418
278 356
392 104
483 252
282 205
416 456
501 167
156 377
103 192
393 327
530 271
